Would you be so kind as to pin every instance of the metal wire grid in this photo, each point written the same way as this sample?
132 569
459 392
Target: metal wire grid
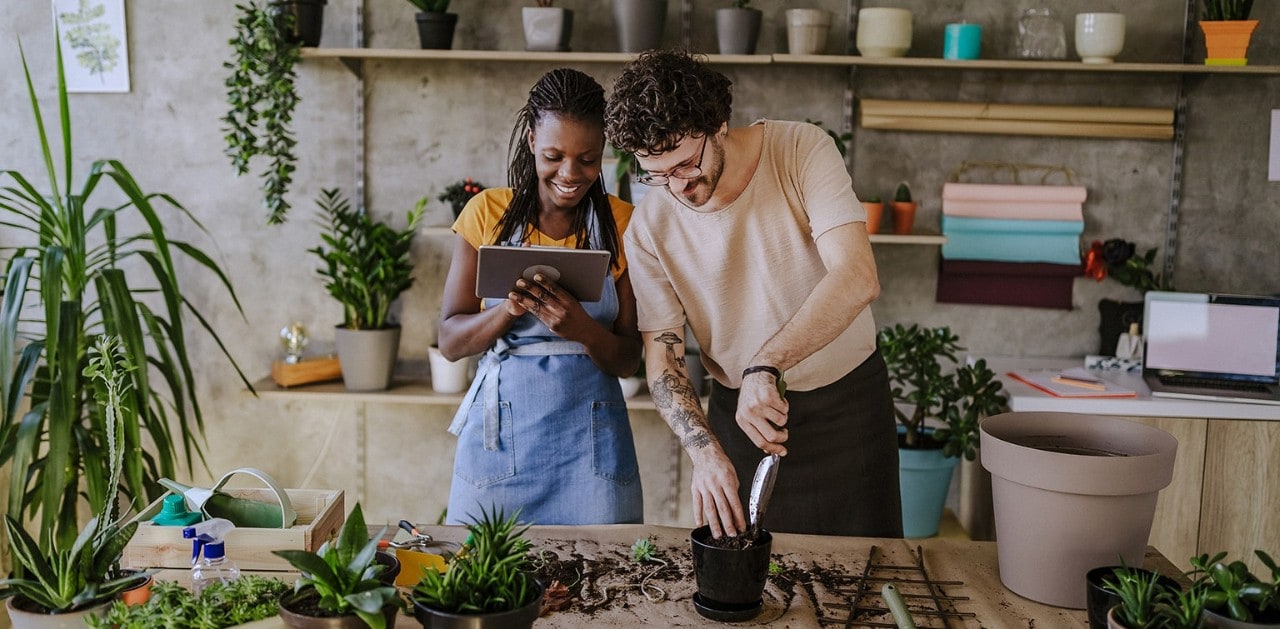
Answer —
924 597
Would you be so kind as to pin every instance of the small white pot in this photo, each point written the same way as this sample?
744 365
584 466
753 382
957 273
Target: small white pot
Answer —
448 376
884 32
1099 36
807 31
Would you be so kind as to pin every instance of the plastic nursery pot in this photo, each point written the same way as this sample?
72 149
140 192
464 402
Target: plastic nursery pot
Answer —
730 581
1099 601
297 609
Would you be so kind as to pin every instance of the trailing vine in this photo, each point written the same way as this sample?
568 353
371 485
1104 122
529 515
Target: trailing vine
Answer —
262 94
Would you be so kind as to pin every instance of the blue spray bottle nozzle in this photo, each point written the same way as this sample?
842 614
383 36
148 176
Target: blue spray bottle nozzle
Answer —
207 537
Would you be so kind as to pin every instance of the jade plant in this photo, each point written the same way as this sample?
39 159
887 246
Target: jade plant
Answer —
262 93
1234 591
959 398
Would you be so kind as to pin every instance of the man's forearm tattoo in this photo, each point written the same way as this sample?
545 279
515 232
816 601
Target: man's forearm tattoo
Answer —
677 402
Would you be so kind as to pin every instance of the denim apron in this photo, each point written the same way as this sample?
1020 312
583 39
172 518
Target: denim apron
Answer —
542 430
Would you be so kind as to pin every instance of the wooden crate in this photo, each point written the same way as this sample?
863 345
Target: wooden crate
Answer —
321 513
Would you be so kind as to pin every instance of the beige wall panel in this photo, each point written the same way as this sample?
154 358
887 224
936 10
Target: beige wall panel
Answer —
1241 493
1175 530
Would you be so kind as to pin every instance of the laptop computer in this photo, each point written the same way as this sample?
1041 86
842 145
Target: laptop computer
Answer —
1212 346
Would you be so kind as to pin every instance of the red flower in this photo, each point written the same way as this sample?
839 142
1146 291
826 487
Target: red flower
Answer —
1094 265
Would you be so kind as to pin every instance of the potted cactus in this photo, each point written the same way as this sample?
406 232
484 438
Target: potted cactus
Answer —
904 209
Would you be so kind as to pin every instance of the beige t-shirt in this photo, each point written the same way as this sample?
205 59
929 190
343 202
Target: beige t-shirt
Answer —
738 274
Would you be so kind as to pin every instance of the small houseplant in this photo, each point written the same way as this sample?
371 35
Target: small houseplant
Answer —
492 577
82 578
1234 592
244 600
1227 31
958 399
341 579
262 92
366 266
458 193
738 28
1117 258
435 23
904 209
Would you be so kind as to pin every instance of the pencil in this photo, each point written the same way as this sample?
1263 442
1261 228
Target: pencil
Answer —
1079 383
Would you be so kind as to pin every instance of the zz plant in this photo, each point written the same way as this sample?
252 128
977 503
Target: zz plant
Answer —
366 262
262 93
64 285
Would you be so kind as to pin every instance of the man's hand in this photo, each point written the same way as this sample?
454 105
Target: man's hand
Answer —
762 413
715 496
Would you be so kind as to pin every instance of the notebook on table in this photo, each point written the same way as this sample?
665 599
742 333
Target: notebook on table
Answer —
1212 346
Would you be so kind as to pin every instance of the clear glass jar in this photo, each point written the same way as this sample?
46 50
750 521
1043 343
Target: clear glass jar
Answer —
1041 35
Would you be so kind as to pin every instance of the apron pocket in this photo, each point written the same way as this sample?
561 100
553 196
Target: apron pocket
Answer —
613 451
478 466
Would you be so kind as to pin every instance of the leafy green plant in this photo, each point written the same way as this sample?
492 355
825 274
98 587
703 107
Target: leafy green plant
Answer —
1182 609
262 93
902 194
960 398
431 6
1234 591
1214 10
73 272
841 139
458 193
219 605
493 575
344 575
366 265
86 573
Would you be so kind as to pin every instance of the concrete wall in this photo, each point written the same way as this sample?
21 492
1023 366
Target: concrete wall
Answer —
430 123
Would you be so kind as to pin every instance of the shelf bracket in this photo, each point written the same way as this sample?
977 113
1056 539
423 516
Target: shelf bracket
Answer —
356 66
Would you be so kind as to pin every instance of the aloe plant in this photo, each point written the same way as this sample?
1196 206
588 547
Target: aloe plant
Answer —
491 574
64 286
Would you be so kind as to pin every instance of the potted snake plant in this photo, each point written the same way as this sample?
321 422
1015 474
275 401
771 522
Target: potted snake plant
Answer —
1227 31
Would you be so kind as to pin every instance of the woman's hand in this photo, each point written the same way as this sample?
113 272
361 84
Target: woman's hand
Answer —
551 304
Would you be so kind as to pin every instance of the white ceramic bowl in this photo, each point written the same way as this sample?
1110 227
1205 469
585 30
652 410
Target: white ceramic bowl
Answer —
884 32
1099 36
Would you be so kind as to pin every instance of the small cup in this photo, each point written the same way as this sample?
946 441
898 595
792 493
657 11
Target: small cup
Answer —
884 32
962 41
807 31
1099 36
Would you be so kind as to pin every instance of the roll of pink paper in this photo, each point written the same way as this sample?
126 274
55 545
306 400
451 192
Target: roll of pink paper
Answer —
1025 210
1005 192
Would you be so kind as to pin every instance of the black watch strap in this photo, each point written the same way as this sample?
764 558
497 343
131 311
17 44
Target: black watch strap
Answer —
765 368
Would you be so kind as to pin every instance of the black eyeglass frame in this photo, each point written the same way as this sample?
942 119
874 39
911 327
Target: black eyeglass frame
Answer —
682 172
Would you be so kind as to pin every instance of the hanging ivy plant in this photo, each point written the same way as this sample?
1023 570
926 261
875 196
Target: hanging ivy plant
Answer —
262 94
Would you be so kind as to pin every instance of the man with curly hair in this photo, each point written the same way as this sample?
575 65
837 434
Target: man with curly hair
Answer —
756 242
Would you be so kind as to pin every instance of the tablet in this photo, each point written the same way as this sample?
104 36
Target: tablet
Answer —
579 271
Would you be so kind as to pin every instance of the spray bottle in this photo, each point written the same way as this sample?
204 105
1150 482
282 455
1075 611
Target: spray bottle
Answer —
209 563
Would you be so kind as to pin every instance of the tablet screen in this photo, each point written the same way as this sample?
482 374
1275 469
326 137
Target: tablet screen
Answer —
580 271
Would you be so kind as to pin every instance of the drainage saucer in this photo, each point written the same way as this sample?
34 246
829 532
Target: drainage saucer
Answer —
726 613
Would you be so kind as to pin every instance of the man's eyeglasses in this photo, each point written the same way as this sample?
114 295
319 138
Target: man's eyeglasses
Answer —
680 172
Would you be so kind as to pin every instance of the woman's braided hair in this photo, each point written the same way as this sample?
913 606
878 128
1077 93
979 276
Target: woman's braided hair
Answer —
563 93
663 96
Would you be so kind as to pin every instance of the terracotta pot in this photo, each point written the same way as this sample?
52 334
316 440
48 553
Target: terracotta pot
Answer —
1226 42
27 615
1071 492
138 594
875 211
904 214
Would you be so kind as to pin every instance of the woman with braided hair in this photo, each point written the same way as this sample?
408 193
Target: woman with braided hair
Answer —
544 427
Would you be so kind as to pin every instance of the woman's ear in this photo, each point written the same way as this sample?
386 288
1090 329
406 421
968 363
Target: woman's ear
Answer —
529 140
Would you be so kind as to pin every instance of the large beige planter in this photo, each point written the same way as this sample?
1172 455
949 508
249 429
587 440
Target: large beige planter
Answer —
1071 492
367 357
24 619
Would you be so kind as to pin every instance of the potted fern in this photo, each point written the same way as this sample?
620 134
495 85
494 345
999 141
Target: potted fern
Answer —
341 581
366 267
435 24
490 584
922 381
70 581
1227 31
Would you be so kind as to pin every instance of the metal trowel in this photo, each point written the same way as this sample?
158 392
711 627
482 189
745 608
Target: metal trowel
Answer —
761 489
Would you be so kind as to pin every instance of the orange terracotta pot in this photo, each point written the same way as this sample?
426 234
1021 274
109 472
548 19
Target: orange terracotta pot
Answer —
1226 42
875 211
138 594
904 214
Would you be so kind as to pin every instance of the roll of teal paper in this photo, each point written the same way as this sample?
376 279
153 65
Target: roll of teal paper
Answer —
962 41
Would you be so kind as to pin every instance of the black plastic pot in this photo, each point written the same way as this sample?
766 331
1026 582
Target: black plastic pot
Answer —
291 601
730 581
308 20
520 618
392 564
435 30
1098 600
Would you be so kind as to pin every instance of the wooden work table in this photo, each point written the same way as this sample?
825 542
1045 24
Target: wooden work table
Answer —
970 568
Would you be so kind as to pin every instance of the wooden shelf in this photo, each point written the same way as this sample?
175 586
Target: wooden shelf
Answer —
352 56
415 391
